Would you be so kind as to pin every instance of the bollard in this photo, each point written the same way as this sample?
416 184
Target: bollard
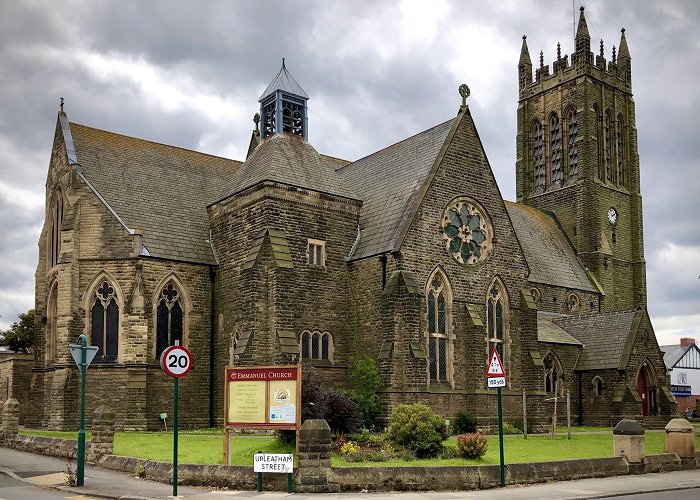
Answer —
680 438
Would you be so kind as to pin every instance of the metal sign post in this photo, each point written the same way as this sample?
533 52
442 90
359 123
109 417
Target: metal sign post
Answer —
176 361
496 377
83 355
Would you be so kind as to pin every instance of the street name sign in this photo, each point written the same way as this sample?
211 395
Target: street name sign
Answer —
273 462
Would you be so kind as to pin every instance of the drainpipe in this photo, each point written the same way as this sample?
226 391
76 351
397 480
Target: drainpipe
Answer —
383 259
212 338
580 399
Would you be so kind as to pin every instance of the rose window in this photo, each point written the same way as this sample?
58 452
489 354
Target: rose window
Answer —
466 231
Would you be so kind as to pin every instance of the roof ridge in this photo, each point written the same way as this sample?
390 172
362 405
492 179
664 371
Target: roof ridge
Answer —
398 142
155 142
603 313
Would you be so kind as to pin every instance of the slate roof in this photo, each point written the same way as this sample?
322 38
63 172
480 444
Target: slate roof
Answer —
549 254
286 82
674 353
605 337
548 331
388 182
289 159
162 190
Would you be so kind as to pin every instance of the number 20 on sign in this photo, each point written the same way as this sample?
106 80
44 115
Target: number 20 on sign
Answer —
176 361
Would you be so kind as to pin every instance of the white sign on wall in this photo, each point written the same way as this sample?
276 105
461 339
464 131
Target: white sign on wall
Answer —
273 462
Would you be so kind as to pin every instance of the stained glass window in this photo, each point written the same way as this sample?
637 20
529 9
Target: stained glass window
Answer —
104 322
620 152
555 144
466 232
316 345
496 321
56 222
538 157
438 321
571 147
52 318
552 374
305 345
169 318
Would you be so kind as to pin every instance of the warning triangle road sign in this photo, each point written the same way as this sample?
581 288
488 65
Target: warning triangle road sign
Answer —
495 368
76 352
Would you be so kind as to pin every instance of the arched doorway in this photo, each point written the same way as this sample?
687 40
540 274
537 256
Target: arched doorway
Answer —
646 388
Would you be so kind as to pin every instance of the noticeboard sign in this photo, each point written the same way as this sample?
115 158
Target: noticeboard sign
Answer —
263 397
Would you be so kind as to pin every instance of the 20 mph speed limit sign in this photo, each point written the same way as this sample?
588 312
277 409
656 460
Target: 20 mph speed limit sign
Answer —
176 361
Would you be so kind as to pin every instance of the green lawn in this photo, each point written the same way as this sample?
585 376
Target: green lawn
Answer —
536 448
206 447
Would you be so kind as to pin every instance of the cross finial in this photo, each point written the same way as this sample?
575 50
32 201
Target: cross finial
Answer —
558 51
283 62
524 37
61 104
256 120
582 8
622 31
464 92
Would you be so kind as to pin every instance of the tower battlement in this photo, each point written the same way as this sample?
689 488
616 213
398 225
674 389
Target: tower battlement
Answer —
615 72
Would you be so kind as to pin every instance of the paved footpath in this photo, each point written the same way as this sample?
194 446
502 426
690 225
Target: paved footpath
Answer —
102 483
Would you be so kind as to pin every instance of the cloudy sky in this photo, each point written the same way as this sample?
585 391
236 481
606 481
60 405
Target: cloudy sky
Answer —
190 73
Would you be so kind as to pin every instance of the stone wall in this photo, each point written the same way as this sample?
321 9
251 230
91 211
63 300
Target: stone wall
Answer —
15 379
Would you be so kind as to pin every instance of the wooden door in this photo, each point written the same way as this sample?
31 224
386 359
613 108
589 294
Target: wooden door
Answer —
642 391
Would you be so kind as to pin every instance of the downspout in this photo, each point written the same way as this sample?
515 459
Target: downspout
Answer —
212 338
212 327
383 259
580 399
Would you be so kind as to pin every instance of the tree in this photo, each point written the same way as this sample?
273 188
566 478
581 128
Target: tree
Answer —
20 336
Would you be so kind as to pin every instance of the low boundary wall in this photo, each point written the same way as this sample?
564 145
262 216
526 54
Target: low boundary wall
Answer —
373 479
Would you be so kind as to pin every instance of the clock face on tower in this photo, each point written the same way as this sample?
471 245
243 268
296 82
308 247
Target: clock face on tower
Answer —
612 216
466 231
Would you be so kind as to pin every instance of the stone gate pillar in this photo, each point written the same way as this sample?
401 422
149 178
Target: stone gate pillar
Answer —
10 418
102 442
315 458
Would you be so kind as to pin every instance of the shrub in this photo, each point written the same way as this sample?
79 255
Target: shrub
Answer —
510 429
465 423
471 445
342 413
365 384
418 428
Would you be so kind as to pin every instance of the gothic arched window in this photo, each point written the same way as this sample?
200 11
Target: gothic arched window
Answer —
169 318
572 152
51 319
553 375
538 157
497 320
555 144
439 325
56 222
316 345
597 386
620 152
104 322
607 146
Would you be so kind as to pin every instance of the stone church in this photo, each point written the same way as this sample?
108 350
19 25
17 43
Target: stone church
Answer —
409 255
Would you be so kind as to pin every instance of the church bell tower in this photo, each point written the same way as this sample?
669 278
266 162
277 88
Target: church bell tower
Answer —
283 106
577 157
